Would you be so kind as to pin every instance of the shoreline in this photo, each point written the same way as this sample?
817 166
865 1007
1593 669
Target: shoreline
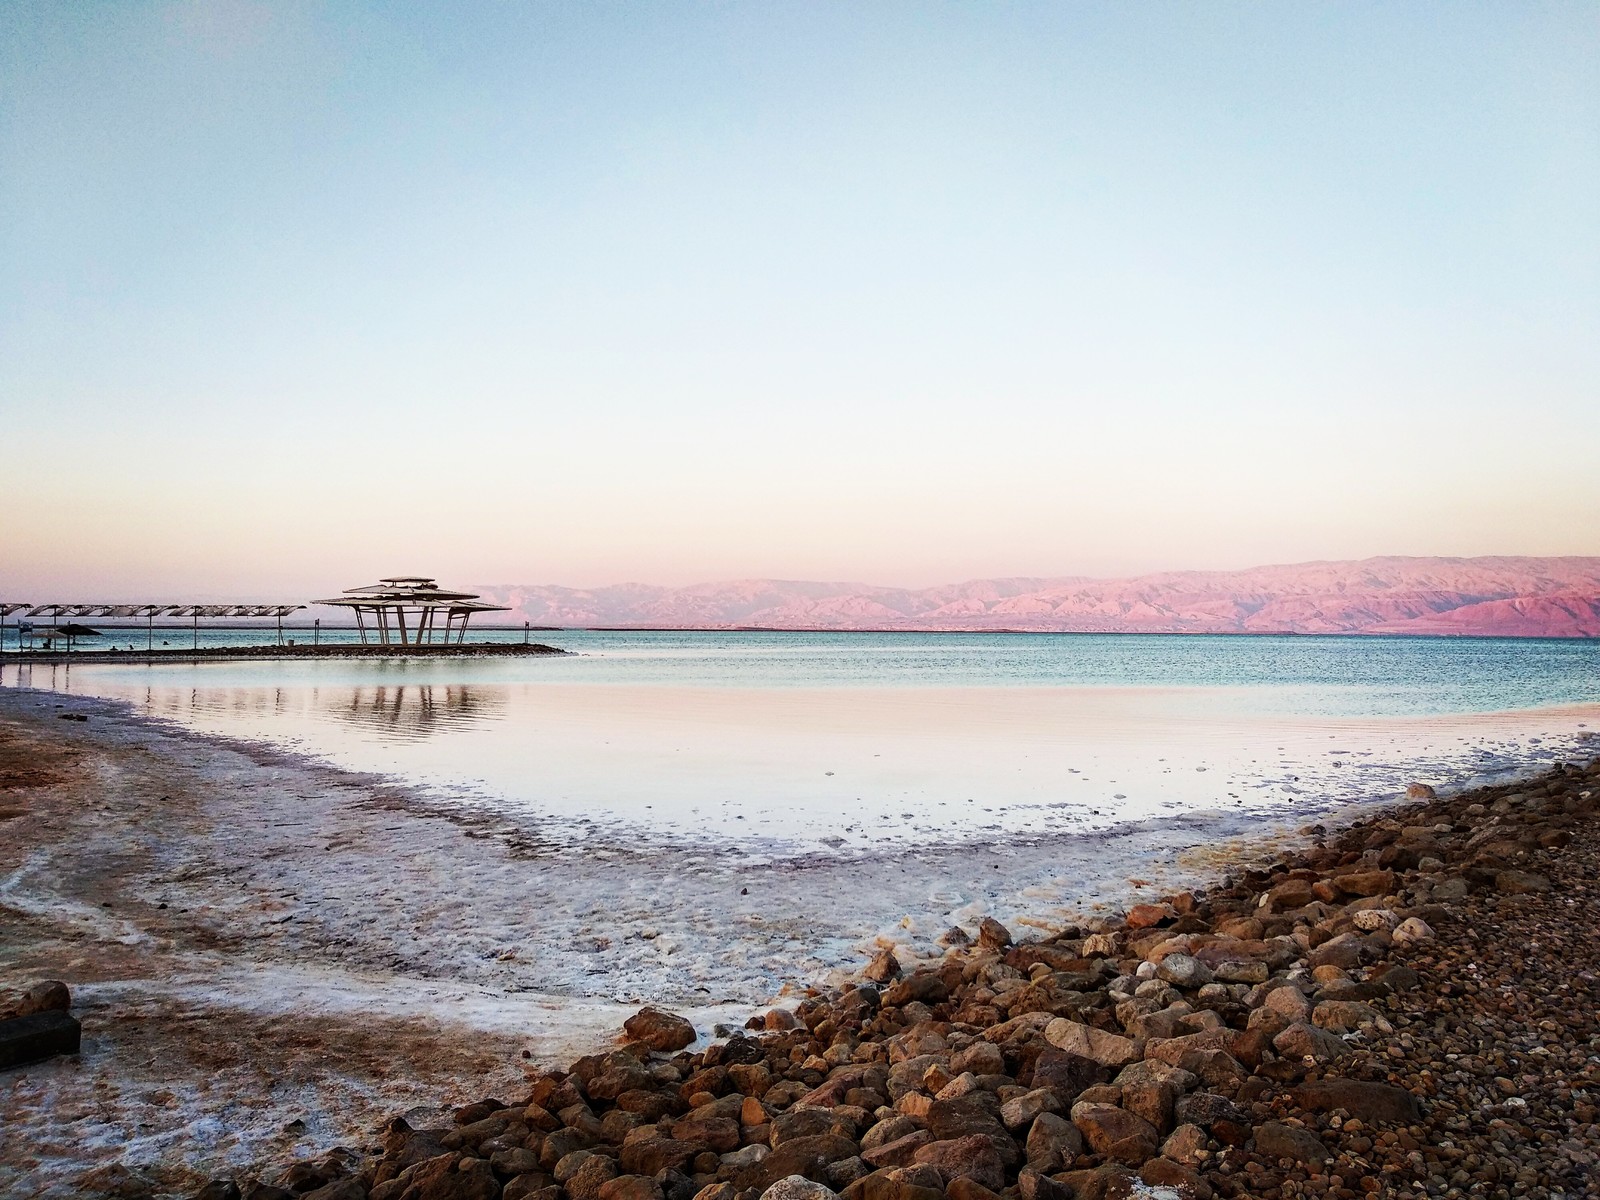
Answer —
591 1020
24 658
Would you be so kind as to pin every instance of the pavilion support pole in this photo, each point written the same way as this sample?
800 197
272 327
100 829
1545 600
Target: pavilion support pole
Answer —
400 617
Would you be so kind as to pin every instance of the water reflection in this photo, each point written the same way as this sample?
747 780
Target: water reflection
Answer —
412 712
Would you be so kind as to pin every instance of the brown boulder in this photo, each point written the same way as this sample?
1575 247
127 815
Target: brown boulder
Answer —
1053 1143
631 1187
660 1030
49 996
1370 1102
1099 1047
1116 1132
1365 883
901 1152
1274 1140
973 1157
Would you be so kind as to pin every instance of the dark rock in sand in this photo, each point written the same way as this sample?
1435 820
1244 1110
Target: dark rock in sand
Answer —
38 1036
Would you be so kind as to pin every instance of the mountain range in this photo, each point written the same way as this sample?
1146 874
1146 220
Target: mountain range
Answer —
1491 596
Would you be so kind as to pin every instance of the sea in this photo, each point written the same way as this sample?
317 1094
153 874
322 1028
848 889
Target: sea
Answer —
848 743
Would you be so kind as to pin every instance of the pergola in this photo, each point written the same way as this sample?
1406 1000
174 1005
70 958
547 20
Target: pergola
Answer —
151 611
388 601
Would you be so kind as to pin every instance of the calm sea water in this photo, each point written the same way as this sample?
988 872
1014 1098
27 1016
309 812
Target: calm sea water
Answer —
850 741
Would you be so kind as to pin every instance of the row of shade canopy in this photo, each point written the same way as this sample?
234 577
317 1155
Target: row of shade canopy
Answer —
149 610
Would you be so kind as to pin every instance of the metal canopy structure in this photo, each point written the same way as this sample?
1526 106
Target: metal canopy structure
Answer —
388 601
151 611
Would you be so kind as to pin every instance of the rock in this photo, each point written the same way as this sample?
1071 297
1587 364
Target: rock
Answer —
1521 883
1019 1113
1377 1103
49 996
901 1152
1175 1179
1116 1133
450 1178
992 935
585 1180
973 1157
1237 970
924 986
883 967
1304 1041
1111 1182
1151 1099
1346 1016
968 1189
1371 920
1066 1074
1144 916
1035 1185
890 1129
1053 1142
896 1184
746 1156
981 1058
339 1189
1365 883
807 1122
1274 1140
1420 791
1208 1109
1184 971
798 1187
948 1119
1343 952
1099 1047
631 1187
660 1030
1411 931
38 1036
1186 1145
654 1155
1288 895
1289 1002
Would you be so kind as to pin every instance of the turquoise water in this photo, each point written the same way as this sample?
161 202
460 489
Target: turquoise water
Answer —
799 738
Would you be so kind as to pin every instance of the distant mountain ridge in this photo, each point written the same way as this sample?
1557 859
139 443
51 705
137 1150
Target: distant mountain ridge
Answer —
1495 596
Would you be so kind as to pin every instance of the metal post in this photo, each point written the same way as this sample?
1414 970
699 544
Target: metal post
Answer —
149 632
525 625
196 615
316 633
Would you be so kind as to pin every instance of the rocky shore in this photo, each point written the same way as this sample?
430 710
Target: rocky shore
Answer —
1410 1007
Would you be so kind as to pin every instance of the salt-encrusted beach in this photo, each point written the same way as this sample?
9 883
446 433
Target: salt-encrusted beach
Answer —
272 957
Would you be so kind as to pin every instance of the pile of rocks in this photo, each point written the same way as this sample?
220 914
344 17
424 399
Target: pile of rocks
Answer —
1370 1016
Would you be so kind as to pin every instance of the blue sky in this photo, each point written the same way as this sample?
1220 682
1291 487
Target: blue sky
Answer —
902 293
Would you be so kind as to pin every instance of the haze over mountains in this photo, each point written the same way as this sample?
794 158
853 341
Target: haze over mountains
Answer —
1506 596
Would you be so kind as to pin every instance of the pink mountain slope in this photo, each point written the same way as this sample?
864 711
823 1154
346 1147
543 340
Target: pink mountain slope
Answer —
1518 597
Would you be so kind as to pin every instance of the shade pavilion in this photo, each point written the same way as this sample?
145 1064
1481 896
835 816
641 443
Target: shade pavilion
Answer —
388 603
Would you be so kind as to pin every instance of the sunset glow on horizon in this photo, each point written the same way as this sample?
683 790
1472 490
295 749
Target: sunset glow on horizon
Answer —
295 297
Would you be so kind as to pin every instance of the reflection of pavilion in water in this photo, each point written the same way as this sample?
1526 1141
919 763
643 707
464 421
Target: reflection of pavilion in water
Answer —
413 711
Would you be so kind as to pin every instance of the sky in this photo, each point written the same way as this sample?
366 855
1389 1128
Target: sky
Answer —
297 295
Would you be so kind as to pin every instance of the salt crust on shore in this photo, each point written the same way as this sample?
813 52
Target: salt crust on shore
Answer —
255 939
